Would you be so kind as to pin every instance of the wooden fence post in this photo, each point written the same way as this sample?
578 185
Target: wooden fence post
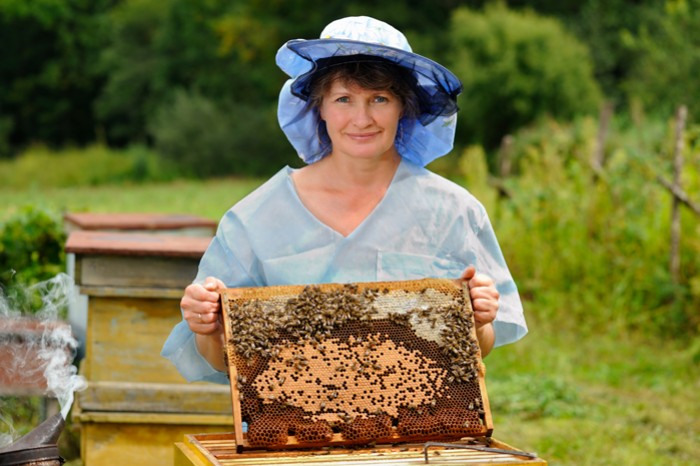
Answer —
675 260
598 156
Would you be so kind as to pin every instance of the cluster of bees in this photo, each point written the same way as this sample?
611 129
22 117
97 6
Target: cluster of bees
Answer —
342 361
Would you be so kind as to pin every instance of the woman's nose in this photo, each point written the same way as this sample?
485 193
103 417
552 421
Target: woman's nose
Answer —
362 116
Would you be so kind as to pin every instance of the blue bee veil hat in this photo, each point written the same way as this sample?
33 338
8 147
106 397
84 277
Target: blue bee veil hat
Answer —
419 139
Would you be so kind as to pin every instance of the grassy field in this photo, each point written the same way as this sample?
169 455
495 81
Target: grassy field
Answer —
208 199
574 396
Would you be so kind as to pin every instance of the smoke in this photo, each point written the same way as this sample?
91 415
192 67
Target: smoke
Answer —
41 348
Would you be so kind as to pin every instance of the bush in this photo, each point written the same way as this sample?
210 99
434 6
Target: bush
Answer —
592 252
665 46
42 167
208 139
516 67
31 251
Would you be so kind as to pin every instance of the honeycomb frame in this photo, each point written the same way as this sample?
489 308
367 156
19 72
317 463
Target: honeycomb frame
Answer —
354 364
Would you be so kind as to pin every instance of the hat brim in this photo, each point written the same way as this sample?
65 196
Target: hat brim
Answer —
299 58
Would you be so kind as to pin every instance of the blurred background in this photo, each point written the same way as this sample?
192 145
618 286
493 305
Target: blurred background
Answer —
578 129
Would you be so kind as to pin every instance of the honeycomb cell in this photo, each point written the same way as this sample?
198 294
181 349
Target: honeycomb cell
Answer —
459 421
368 429
313 432
268 431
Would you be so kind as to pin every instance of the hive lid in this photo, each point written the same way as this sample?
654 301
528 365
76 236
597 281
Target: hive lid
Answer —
354 364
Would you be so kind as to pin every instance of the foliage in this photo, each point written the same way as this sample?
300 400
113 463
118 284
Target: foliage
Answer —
170 62
39 167
516 67
24 408
585 247
49 87
197 134
31 250
107 70
670 41
600 25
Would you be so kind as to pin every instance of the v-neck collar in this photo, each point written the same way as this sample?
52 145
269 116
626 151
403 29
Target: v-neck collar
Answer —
293 189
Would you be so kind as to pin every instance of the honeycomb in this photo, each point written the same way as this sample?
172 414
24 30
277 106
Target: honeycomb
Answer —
355 363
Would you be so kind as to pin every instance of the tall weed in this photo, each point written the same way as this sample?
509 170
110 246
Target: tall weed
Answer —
591 250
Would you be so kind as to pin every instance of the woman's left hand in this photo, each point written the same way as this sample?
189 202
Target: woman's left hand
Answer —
484 296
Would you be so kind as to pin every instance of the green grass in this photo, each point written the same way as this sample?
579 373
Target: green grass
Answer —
210 199
579 398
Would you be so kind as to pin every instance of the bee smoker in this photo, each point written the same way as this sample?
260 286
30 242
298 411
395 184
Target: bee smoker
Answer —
37 448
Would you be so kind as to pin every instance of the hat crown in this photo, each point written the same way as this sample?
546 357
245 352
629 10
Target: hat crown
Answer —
366 29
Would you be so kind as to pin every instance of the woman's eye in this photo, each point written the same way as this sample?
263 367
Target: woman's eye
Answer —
381 99
343 99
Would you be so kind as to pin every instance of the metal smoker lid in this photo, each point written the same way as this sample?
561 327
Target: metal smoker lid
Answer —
38 445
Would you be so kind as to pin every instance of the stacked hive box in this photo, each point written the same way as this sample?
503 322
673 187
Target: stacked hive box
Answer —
137 405
161 224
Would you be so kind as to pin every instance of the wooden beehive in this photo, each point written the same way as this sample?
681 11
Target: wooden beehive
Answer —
336 365
132 284
220 450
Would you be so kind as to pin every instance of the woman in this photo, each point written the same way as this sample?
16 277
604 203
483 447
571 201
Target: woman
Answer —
366 114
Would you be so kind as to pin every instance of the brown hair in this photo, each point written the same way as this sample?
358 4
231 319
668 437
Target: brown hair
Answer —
368 73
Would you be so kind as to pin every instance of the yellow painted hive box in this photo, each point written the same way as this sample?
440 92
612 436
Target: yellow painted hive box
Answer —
362 373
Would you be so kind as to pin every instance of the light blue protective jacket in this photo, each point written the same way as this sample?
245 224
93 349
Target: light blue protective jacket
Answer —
425 226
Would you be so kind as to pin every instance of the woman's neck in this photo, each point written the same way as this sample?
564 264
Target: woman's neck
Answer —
343 172
342 193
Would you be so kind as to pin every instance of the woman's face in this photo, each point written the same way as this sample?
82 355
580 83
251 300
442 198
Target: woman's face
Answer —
361 123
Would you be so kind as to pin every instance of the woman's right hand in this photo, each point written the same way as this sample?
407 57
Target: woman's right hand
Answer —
202 307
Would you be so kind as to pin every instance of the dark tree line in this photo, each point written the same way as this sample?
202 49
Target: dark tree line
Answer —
150 71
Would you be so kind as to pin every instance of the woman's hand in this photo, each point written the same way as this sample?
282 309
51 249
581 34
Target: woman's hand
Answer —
202 311
202 308
484 296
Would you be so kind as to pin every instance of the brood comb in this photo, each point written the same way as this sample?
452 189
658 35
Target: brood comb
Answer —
331 364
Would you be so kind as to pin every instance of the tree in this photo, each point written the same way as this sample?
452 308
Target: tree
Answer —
517 67
667 58
46 73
